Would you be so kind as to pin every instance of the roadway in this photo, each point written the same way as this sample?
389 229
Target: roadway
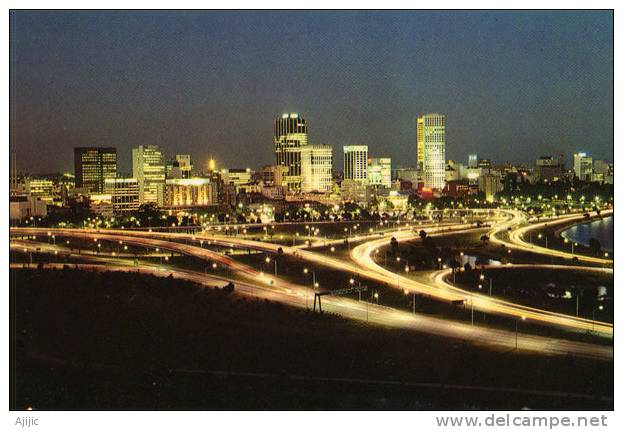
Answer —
516 236
297 295
364 266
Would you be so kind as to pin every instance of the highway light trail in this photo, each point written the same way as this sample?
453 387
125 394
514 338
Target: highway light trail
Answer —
294 295
516 236
438 289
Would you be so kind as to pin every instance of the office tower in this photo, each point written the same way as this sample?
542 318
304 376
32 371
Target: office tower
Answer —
548 169
92 166
42 188
490 185
124 194
273 175
603 172
356 162
472 161
237 177
316 168
431 150
380 172
190 192
149 169
290 135
582 166
180 167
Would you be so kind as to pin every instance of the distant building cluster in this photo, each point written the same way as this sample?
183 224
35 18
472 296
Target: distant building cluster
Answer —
302 174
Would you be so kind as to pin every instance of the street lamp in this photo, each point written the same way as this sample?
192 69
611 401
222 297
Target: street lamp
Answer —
406 294
314 284
523 318
482 278
471 300
598 308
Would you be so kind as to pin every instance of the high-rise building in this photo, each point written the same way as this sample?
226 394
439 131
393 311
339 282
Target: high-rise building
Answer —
472 161
290 135
42 188
124 194
316 168
273 175
603 172
180 167
380 172
490 185
148 167
190 192
431 150
356 162
548 169
582 166
237 177
92 166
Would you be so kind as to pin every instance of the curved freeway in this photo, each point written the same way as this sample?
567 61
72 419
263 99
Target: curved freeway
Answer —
516 235
365 266
363 255
293 294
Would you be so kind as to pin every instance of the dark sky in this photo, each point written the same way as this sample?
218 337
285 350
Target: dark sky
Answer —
513 85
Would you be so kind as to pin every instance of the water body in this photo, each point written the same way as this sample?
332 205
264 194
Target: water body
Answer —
601 229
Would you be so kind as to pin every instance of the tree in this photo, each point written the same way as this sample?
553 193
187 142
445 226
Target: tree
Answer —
393 243
481 261
454 264
595 245
147 212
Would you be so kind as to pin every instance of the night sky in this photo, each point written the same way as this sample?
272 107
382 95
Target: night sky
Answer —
512 85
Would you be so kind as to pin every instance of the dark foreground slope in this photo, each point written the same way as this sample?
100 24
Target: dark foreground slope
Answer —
82 340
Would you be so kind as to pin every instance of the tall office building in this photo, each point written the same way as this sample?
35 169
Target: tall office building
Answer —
124 194
472 161
548 168
180 167
582 166
380 172
148 167
431 150
316 168
356 162
92 166
290 135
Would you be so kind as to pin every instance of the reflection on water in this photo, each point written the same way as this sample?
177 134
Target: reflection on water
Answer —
601 229
472 259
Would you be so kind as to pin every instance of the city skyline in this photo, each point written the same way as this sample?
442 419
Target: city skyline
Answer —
107 98
308 210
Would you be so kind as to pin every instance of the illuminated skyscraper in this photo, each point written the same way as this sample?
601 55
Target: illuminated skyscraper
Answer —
148 167
92 166
380 172
316 168
356 162
431 150
290 135
582 166
472 161
124 194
